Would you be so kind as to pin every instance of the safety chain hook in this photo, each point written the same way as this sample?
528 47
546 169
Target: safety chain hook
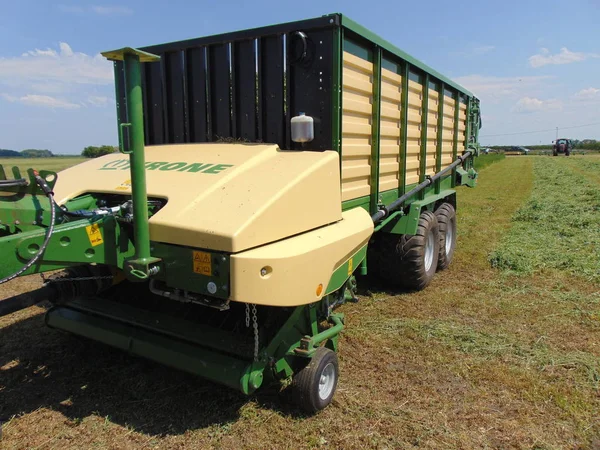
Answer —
255 326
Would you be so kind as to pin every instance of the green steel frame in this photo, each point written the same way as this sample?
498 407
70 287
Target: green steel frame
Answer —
375 135
424 120
178 343
338 39
440 134
206 351
403 129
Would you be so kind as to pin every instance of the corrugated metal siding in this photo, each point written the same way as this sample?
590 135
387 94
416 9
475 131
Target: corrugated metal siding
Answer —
432 121
413 134
389 160
462 126
448 132
357 117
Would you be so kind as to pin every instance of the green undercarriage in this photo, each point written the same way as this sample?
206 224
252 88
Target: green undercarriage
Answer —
224 356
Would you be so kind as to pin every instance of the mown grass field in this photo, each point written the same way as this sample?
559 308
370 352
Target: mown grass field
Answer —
54 164
501 351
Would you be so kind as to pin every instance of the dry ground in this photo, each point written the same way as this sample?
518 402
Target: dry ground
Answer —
480 359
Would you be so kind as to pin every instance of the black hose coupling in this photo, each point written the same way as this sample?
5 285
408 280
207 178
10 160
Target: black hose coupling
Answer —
42 183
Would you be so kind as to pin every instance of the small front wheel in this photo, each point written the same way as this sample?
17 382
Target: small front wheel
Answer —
314 385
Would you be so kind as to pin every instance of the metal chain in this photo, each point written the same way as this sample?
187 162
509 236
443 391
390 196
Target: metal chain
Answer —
255 325
60 280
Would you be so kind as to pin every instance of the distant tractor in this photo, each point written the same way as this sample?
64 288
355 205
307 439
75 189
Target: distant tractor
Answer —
562 146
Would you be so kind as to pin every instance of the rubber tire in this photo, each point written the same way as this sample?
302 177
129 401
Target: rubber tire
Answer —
446 214
402 258
305 383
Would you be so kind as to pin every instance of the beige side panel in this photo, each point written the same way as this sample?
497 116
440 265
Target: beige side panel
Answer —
357 117
413 133
432 129
448 132
389 157
297 266
462 126
448 102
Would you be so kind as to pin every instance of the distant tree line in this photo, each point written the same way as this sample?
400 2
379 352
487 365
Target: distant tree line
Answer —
95 152
88 152
585 144
27 153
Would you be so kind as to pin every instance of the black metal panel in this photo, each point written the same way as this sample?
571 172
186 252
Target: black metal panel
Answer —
153 93
175 115
232 86
311 82
196 95
244 68
219 89
271 90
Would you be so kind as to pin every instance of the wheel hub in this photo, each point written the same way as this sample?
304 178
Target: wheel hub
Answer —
429 247
326 381
449 237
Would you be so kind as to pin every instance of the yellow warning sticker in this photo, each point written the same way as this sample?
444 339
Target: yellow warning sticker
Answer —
350 270
94 234
202 263
124 186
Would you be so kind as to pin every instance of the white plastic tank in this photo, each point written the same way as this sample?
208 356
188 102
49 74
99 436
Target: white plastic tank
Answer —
303 128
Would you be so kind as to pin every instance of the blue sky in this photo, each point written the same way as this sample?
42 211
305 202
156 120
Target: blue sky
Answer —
533 64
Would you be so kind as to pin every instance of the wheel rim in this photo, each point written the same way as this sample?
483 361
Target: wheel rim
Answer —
429 246
449 236
326 381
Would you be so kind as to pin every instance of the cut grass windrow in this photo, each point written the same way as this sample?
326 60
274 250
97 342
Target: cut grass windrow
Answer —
483 161
558 228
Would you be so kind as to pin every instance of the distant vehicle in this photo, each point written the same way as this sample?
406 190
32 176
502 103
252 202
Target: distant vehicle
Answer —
562 146
514 150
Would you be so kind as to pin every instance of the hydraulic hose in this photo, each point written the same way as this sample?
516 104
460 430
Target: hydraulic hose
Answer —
13 183
386 210
44 186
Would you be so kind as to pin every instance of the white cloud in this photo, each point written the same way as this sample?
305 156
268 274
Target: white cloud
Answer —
73 9
10 98
500 87
482 50
474 51
65 49
531 104
50 65
99 101
115 10
587 94
42 100
112 10
58 77
565 56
